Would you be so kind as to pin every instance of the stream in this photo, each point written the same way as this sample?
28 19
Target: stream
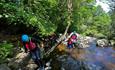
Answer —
91 58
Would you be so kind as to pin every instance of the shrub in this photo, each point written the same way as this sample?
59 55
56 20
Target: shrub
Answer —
5 51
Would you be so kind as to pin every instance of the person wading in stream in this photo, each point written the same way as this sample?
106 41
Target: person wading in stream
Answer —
71 40
30 45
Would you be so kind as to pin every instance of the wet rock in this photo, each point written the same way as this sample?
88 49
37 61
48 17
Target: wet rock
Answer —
31 67
48 63
85 41
112 42
4 67
73 64
19 61
48 68
92 66
102 43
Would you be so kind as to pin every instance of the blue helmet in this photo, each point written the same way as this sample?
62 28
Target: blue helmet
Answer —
25 38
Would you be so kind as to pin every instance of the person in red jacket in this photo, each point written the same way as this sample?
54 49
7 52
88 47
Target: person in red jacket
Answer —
71 40
30 45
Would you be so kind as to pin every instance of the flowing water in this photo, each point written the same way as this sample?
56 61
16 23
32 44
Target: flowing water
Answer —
91 58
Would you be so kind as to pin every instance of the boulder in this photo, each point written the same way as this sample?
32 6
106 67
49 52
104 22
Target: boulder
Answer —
31 67
85 41
4 67
19 61
112 43
102 43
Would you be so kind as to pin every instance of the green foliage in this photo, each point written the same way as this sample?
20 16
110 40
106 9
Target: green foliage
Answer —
90 20
32 13
112 26
49 16
5 51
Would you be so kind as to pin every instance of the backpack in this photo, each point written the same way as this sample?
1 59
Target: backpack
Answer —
31 45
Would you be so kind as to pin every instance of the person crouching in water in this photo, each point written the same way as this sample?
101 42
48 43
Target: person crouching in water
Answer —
71 40
30 45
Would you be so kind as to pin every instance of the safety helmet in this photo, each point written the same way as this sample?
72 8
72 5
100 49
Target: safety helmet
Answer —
25 38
